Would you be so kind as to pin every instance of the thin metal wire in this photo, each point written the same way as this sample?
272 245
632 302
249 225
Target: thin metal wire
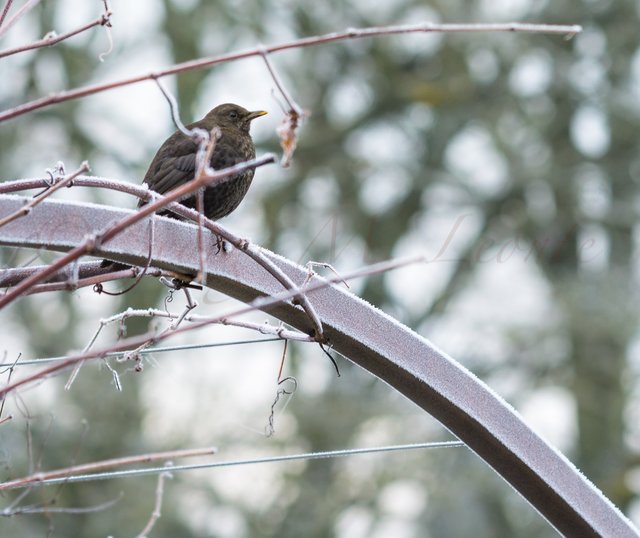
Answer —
234 463
148 351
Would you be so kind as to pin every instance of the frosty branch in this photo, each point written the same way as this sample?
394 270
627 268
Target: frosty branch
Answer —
52 38
351 33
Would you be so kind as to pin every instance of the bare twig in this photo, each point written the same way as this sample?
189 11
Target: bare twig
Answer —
291 103
173 106
26 7
106 464
121 318
10 277
284 356
47 509
108 276
351 33
188 308
263 328
6 419
92 242
311 264
64 182
204 168
333 361
52 38
135 353
202 275
107 26
4 398
270 428
98 288
5 11
294 114
155 515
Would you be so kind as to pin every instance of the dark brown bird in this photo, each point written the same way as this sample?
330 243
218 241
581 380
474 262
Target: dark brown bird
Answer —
175 162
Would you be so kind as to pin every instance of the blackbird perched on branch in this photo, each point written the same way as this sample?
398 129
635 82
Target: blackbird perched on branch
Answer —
175 162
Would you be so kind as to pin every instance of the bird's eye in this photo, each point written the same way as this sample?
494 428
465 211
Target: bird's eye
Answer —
233 115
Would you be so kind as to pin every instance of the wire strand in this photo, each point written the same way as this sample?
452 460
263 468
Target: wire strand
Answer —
148 351
234 463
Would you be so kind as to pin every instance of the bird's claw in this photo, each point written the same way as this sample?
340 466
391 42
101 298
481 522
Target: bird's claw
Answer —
222 245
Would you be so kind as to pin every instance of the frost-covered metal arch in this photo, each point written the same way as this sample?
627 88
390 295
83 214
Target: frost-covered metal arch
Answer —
366 336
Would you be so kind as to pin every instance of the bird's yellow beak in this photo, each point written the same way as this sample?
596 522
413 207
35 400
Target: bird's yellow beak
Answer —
256 114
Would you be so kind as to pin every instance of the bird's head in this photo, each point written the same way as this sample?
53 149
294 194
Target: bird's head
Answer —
233 116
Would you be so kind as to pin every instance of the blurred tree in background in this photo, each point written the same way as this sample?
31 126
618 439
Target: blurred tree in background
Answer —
512 161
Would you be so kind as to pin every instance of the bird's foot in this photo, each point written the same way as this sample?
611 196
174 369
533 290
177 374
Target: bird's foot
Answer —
222 245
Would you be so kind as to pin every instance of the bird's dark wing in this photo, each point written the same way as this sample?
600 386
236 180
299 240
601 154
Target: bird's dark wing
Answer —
173 165
172 172
175 162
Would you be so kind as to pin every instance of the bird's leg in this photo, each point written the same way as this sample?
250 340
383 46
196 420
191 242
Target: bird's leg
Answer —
219 243
311 273
222 245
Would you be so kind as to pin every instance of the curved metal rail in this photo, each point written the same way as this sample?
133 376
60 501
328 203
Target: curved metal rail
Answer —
366 336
